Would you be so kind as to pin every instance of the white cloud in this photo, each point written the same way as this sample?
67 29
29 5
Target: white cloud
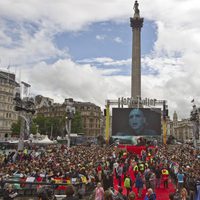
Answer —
65 79
100 37
107 61
118 39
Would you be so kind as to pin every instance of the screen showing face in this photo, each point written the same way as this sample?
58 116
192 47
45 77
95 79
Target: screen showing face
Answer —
136 122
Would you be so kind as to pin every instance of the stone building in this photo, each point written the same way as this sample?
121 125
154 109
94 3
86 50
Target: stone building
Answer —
8 115
92 117
182 130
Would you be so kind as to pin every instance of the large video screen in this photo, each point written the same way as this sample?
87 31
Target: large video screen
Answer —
136 122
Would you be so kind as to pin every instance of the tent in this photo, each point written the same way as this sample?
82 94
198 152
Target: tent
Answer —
46 140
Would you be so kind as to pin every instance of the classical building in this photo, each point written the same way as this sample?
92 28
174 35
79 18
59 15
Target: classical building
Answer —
182 130
8 115
92 117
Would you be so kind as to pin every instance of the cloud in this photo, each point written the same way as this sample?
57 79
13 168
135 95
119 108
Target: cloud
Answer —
107 61
100 37
118 40
57 81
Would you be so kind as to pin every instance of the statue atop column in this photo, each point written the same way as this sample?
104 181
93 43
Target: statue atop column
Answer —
136 9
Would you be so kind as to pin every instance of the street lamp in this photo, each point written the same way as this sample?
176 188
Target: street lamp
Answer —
194 117
70 111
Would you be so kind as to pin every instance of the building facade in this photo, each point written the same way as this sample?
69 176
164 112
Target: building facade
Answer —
181 130
8 115
91 115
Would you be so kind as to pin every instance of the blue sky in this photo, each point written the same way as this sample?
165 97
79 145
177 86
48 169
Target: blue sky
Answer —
99 40
82 49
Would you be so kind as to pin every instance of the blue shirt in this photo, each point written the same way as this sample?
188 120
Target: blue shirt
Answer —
180 177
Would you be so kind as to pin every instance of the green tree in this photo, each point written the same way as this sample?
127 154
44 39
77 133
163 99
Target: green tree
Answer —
50 125
41 122
77 124
33 128
15 128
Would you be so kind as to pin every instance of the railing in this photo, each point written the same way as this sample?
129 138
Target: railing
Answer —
30 188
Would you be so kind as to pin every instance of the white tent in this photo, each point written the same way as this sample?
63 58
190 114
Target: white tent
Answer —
46 140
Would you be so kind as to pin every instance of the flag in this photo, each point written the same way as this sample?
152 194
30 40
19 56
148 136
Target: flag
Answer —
192 101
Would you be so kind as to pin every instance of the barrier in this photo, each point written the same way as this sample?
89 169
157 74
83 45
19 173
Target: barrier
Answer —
30 186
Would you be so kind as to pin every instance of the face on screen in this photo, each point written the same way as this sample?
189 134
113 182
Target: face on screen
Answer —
136 120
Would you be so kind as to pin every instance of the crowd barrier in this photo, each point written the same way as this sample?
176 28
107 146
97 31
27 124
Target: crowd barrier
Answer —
29 186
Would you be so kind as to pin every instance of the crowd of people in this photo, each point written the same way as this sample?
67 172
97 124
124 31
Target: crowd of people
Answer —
112 173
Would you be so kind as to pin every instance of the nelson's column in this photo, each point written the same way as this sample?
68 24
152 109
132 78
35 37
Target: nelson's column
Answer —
136 24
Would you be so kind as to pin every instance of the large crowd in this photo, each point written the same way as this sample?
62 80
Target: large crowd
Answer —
112 173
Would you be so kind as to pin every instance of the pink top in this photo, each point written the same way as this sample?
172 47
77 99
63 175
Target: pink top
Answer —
99 192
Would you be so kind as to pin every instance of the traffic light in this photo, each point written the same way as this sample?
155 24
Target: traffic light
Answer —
165 110
104 112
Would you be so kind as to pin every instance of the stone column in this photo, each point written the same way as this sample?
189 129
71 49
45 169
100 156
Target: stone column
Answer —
136 24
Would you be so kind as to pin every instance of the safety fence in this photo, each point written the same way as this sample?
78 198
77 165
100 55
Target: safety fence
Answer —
30 186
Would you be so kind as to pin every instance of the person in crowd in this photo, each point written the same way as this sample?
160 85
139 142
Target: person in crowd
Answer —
99 192
171 196
9 193
158 174
180 177
120 195
147 174
150 195
139 184
99 172
131 196
119 174
165 177
152 181
128 184
107 195
184 194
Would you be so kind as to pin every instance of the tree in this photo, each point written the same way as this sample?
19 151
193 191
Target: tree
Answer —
33 128
15 128
77 124
53 126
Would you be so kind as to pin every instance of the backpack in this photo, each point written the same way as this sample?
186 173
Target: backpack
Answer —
127 182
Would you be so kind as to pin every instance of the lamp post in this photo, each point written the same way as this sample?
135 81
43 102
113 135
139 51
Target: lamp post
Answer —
70 110
194 117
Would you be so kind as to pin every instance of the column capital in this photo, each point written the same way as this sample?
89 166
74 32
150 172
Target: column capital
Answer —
136 22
